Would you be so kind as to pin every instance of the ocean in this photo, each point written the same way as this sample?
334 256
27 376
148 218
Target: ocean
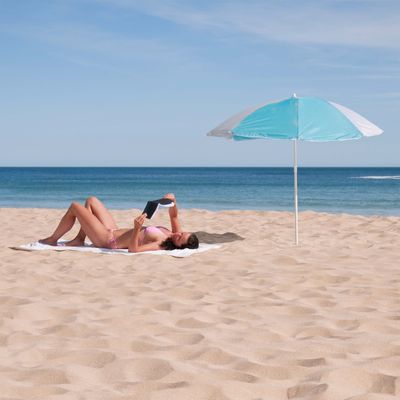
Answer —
365 191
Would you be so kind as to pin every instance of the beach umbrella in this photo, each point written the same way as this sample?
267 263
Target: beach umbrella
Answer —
297 118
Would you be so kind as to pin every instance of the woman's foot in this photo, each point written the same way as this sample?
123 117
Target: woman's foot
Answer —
75 242
50 241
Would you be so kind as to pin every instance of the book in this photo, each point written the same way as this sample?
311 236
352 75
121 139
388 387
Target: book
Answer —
153 205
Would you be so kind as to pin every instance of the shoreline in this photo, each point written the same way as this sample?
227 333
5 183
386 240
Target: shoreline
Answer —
235 210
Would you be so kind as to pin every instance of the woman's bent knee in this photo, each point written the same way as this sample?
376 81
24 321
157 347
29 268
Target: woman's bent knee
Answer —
74 206
91 199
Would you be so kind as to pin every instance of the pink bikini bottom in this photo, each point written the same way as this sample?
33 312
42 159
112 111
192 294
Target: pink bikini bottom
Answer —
112 241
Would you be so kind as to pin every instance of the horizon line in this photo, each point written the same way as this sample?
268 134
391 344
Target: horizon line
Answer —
198 166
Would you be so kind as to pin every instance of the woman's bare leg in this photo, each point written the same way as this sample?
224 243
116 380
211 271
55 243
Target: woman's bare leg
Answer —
65 225
91 226
98 209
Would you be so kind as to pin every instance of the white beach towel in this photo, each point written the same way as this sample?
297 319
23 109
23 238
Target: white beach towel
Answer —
36 246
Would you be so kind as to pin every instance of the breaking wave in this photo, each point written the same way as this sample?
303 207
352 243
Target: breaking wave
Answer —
393 177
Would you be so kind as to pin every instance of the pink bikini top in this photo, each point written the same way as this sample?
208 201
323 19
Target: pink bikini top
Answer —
151 229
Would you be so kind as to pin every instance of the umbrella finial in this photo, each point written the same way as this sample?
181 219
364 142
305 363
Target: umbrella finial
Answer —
294 96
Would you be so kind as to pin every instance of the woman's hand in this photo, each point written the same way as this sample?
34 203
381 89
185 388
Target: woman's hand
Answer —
170 196
140 220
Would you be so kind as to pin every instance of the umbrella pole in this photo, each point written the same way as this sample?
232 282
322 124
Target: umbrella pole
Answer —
296 210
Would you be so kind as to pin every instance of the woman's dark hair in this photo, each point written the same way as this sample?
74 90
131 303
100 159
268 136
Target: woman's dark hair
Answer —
192 243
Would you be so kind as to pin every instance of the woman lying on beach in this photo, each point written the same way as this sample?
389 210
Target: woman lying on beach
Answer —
98 224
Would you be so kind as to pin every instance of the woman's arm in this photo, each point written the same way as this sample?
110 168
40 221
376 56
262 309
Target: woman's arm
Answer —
134 246
134 242
173 214
146 247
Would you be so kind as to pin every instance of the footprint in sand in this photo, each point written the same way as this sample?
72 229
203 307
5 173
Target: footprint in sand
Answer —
42 377
88 358
312 362
354 381
140 369
213 355
306 390
183 338
265 371
192 323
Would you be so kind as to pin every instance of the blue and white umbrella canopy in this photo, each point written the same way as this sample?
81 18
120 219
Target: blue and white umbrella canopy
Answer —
301 118
297 118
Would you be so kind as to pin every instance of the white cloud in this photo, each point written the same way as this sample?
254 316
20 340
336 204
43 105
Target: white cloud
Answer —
368 23
98 47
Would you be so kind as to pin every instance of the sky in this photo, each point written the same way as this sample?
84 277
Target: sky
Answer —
140 83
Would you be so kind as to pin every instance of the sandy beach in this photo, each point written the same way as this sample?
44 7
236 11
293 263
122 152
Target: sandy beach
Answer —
257 319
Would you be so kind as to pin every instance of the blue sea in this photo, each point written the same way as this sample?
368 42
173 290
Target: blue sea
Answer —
363 191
